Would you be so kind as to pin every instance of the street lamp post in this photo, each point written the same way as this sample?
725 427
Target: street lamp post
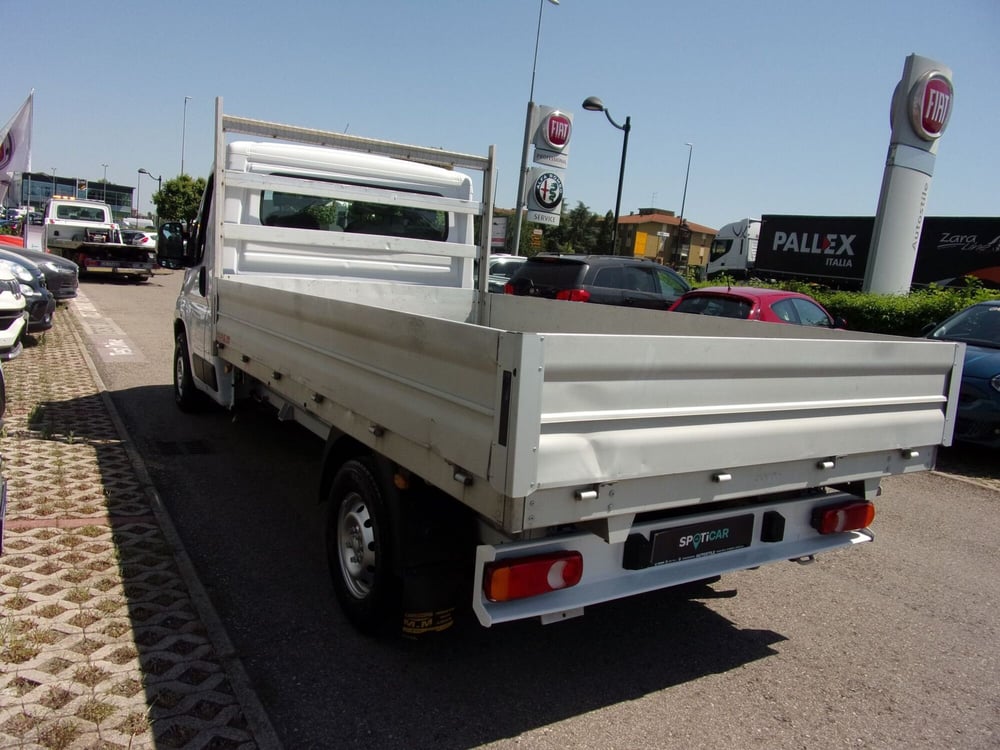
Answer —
681 232
53 182
138 182
519 202
686 175
159 183
184 131
593 104
104 195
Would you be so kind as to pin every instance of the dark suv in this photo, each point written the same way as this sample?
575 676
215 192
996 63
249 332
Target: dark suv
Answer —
603 279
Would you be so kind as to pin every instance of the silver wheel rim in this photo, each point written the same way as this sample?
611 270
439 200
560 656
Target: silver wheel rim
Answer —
179 373
356 546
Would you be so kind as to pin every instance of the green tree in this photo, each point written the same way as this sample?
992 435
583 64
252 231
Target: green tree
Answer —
179 198
576 233
603 241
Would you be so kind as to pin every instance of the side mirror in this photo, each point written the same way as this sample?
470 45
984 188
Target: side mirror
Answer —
172 246
928 328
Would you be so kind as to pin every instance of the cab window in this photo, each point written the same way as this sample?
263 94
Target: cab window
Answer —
305 211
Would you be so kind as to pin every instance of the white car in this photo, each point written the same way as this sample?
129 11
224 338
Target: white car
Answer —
139 237
13 315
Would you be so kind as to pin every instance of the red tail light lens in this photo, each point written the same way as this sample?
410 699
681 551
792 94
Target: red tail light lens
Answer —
519 578
508 288
844 517
574 295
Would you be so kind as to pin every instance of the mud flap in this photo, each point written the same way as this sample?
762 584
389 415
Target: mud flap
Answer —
437 559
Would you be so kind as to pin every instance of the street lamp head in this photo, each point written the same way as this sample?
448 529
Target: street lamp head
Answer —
143 171
594 104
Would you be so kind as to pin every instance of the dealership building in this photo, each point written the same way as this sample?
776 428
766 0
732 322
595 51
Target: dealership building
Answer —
35 188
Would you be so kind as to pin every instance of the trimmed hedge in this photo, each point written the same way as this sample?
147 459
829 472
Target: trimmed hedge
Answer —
899 315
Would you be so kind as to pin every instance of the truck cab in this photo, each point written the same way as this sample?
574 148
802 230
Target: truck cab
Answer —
68 219
312 211
734 249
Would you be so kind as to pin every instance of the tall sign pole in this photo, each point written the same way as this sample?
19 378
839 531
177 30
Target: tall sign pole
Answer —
921 107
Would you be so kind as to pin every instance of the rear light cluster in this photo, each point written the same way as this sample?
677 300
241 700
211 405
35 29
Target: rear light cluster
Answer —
574 295
844 517
570 295
519 578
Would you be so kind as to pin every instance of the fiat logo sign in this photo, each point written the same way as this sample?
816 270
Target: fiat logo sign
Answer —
556 130
931 100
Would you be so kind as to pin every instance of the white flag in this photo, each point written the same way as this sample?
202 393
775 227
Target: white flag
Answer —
15 141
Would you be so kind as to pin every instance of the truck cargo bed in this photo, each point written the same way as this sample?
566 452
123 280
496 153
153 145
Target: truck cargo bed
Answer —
590 415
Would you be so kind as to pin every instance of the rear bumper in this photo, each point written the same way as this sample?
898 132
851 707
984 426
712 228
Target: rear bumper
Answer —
605 578
117 268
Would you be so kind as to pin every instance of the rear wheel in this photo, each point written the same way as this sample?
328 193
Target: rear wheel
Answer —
185 394
360 550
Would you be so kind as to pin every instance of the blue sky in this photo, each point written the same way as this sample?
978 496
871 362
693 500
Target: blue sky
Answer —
785 101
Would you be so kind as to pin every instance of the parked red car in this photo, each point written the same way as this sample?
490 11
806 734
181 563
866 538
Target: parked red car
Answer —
755 303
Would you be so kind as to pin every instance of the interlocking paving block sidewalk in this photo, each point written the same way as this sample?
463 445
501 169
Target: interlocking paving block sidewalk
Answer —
101 644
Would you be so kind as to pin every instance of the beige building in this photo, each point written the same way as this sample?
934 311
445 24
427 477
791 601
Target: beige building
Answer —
658 234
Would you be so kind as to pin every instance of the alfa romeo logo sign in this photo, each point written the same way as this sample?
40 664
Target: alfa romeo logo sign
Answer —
548 190
931 100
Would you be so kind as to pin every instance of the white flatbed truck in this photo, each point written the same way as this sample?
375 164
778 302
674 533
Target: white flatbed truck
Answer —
528 457
84 231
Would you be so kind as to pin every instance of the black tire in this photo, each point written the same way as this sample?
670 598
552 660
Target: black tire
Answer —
186 395
360 551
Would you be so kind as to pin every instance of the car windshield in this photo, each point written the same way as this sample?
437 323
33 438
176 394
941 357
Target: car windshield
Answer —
723 307
719 248
978 325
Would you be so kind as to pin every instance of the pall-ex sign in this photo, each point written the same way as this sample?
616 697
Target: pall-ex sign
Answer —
814 243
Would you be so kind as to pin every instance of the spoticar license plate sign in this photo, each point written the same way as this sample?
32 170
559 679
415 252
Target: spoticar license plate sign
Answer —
700 539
